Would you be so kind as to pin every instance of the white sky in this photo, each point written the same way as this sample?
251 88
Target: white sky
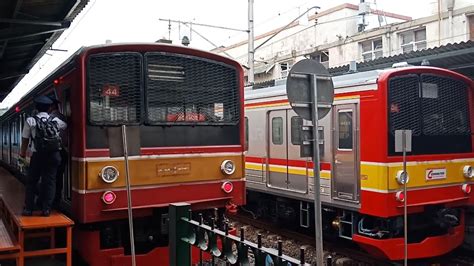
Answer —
138 21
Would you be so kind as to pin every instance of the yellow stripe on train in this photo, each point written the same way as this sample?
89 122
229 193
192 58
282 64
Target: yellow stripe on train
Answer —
381 176
282 169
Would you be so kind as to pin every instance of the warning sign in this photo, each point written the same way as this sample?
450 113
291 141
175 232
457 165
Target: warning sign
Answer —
435 174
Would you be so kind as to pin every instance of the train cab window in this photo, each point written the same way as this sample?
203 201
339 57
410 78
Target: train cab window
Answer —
296 127
187 90
114 88
345 130
277 130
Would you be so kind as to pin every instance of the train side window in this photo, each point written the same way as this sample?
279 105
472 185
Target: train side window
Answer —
246 133
345 130
296 126
277 130
5 135
13 133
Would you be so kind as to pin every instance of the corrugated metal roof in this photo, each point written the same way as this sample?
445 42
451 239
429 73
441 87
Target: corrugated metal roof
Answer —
28 28
458 57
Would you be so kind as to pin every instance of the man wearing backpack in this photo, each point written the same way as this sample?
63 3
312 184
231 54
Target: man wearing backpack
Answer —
55 112
43 130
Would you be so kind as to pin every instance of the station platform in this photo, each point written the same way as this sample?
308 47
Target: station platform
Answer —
17 232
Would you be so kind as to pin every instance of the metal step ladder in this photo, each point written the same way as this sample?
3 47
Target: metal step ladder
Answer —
346 225
304 214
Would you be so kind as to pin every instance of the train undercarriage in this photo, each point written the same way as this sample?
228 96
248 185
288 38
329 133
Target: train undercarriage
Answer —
377 235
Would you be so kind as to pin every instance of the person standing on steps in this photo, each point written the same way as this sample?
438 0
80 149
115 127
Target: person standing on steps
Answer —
44 131
55 112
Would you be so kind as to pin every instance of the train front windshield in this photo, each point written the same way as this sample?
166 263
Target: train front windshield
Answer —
435 108
177 100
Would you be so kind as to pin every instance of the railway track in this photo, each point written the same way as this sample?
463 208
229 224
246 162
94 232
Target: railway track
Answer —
337 250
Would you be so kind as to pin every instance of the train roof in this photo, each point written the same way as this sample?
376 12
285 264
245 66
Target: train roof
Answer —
63 67
352 79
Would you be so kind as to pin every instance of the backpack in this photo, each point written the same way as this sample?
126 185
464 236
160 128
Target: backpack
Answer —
47 138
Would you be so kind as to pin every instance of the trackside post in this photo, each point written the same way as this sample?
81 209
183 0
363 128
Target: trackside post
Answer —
179 251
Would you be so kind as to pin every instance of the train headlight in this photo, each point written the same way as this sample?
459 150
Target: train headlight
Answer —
228 167
109 174
467 171
402 177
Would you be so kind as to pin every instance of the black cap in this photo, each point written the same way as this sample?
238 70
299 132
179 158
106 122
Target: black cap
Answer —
54 100
43 100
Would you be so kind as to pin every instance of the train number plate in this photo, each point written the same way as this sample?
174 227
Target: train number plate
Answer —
435 174
173 169
111 90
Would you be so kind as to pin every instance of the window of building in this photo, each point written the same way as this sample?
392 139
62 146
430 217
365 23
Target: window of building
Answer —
285 69
372 49
413 40
322 57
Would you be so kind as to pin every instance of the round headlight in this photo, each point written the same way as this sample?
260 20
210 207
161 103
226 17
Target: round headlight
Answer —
467 171
228 167
402 177
109 174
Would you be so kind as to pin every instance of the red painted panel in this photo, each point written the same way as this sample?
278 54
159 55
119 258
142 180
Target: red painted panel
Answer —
393 248
89 207
171 150
385 204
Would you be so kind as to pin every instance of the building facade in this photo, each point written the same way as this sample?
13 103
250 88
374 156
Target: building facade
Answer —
349 32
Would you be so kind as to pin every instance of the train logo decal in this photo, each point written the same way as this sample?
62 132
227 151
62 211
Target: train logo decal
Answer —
435 174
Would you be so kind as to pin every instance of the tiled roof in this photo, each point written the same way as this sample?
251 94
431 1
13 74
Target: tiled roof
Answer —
458 57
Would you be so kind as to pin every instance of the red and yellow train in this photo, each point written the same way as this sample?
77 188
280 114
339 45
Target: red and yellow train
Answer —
186 104
361 188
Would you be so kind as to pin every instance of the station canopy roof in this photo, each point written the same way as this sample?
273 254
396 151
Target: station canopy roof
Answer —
28 29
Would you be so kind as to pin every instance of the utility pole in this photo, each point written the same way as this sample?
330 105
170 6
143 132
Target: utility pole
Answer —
251 50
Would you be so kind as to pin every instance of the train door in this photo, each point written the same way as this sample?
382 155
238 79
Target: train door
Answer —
297 166
285 163
66 110
13 144
277 150
345 181
5 134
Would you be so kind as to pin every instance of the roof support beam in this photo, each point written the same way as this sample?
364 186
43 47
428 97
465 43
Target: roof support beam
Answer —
19 33
36 22
12 75
15 12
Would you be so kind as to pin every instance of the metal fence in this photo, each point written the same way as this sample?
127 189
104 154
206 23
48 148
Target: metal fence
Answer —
233 250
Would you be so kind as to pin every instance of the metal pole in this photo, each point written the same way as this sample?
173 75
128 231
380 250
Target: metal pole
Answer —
251 50
405 217
129 194
316 174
